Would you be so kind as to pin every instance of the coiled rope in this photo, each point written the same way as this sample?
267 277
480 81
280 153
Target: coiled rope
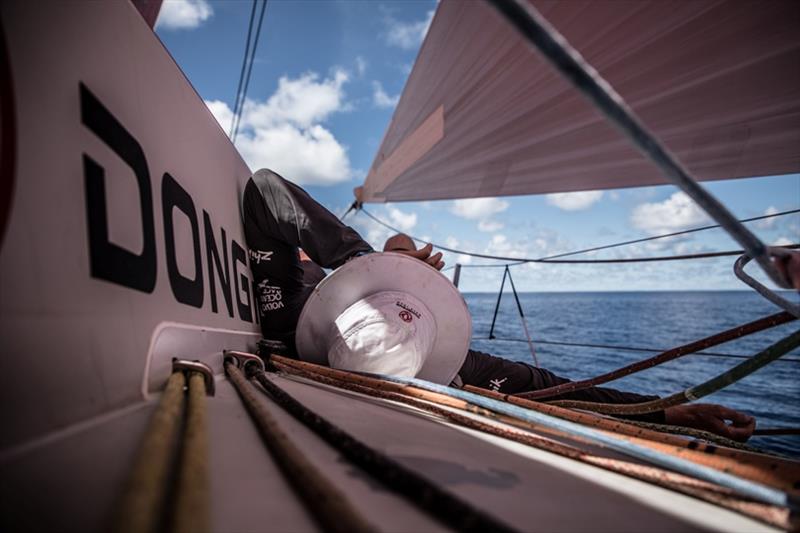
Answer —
144 506
669 355
719 382
684 484
445 507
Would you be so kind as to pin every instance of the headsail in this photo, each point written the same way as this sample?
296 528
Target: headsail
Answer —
482 115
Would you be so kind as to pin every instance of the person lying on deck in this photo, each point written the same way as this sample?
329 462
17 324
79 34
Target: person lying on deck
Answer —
291 238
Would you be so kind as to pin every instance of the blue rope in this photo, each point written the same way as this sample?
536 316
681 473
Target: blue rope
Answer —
747 488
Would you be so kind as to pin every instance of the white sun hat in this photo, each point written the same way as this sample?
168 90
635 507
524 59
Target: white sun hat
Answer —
386 313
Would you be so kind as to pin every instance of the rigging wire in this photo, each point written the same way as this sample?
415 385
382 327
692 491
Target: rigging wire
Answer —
244 67
238 114
629 348
553 258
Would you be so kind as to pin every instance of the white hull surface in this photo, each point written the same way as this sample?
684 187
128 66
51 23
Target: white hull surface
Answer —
123 248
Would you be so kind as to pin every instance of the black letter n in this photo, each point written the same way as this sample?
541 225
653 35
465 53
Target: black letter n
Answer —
107 260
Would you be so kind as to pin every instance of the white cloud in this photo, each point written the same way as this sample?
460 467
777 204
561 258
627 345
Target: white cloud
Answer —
221 112
285 131
361 65
380 98
302 101
481 209
676 213
574 201
782 241
478 208
183 14
490 226
767 223
407 35
405 222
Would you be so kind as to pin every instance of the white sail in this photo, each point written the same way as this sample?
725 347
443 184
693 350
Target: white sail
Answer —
483 114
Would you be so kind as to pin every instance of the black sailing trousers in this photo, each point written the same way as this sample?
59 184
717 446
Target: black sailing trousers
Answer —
280 218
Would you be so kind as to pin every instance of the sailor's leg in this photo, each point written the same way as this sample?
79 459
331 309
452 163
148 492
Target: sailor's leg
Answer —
290 215
510 377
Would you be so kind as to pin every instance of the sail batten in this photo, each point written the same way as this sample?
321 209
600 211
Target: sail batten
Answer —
716 81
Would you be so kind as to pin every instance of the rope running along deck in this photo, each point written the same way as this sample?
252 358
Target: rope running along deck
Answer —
776 472
669 355
144 497
144 506
770 514
192 495
748 488
719 382
440 504
326 503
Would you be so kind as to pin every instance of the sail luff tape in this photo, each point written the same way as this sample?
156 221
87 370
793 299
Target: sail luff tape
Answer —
411 150
756 491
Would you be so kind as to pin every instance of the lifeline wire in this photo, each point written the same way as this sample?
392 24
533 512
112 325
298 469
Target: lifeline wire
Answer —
669 355
743 369
753 490
533 27
554 258
635 348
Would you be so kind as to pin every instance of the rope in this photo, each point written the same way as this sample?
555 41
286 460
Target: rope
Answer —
756 491
719 382
669 355
238 115
192 502
773 471
329 507
585 78
637 349
143 499
449 509
663 478
551 259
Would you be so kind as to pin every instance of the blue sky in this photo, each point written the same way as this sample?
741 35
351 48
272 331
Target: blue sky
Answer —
325 80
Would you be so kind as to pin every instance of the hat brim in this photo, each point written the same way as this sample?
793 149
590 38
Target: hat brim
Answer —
388 271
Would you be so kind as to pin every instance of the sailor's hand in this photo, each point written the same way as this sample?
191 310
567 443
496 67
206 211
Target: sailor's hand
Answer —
789 266
714 418
424 254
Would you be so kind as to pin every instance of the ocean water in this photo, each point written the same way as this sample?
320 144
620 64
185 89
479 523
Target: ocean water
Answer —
659 320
